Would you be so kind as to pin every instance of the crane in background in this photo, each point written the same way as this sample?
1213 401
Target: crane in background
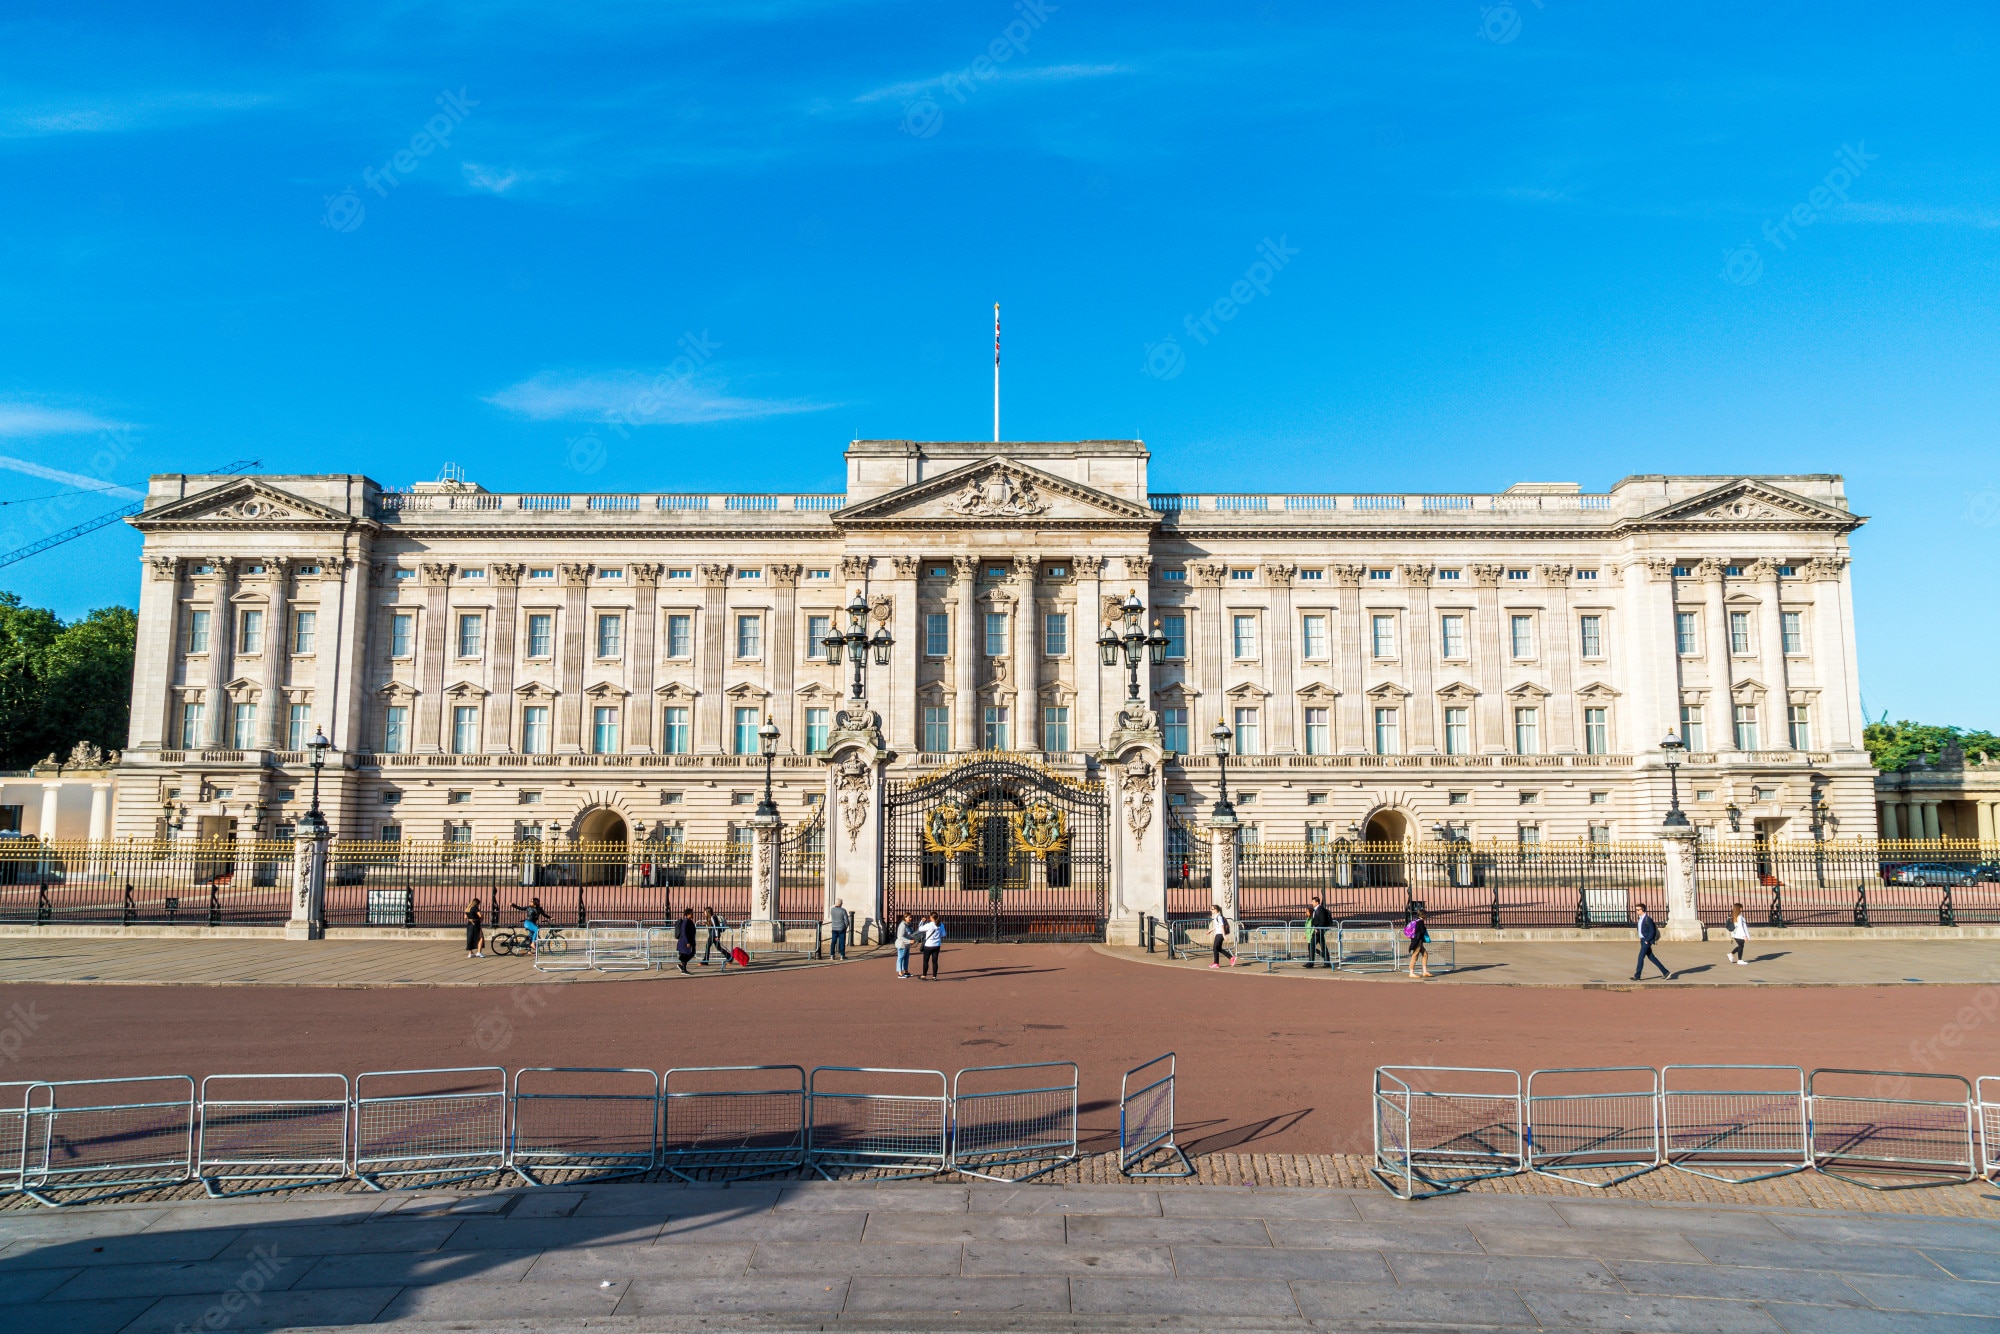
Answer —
235 469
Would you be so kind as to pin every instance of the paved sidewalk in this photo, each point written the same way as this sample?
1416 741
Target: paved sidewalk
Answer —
805 1256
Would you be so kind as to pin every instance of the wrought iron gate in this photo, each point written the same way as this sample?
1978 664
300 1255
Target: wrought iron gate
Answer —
1000 849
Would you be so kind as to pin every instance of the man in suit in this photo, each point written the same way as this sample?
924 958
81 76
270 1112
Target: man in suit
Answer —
1649 931
1320 921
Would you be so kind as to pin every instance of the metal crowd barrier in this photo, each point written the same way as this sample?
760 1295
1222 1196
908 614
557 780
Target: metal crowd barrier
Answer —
111 1136
1273 945
1146 1122
1431 1120
1366 946
1441 951
799 939
13 1123
592 1119
448 1133
1989 1127
554 955
271 1132
870 1126
730 1132
616 947
1881 1129
1594 1119
998 1130
1736 1119
1182 932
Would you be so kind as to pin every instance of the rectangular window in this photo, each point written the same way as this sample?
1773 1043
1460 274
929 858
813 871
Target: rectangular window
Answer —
243 726
749 636
1600 836
464 729
471 632
542 572
1745 717
396 729
1055 641
937 634
604 730
1457 731
1312 636
197 635
1243 635
250 633
610 636
1055 728
817 629
744 737
1174 576
1448 576
1319 732
1246 733
1687 640
996 635
305 624
541 634
1528 836
740 574
817 721
191 738
1521 631
1243 575
1451 636
1590 635
937 728
1382 633
402 634
1174 630
1174 730
993 730
1801 726
680 636
1387 741
298 727
1379 575
1312 576
1527 732
1792 630
1597 731
1739 632
1693 735
674 738
535 729
1518 576
392 833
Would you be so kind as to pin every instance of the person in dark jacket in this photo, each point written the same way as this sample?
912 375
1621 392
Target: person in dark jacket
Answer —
532 922
1320 921
475 931
1649 931
840 919
684 937
715 926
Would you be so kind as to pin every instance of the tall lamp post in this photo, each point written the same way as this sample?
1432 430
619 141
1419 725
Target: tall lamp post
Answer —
1135 644
1223 810
1672 748
315 819
856 642
767 743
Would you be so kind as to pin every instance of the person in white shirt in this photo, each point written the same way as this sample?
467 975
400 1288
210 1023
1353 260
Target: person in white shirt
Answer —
1739 930
905 937
932 932
1218 932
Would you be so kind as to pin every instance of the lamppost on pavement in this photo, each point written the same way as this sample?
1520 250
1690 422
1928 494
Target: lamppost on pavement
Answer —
1135 643
315 819
767 743
1223 810
1672 748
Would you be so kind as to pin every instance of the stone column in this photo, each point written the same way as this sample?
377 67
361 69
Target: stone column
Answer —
1222 849
856 782
344 664
1886 824
1208 643
433 643
906 715
1984 813
1421 709
573 641
308 921
1351 721
1771 664
1930 812
221 635
642 655
501 646
154 715
1282 709
51 795
100 811
781 655
277 655
1564 719
1683 923
1088 623
762 928
965 653
1027 657
1134 760
1488 662
1721 670
1839 724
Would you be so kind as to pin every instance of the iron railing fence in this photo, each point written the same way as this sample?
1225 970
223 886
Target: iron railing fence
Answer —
802 871
149 882
1190 890
1851 882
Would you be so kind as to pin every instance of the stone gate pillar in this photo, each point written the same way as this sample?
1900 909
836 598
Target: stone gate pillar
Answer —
857 761
1683 920
1133 758
308 921
1222 848
762 928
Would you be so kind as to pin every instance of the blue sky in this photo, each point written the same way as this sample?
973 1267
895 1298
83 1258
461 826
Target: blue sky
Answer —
1523 242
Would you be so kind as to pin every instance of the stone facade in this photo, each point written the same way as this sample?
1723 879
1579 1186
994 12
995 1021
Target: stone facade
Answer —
586 664
1941 796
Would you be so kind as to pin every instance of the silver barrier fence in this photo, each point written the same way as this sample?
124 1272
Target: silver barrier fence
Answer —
714 1128
1182 935
870 1117
1431 1121
616 947
442 1125
996 1133
108 1136
786 939
1880 1129
271 1132
1989 1127
1366 946
601 1122
1272 945
1725 1121
1146 1121
13 1119
558 952
1440 950
1594 1119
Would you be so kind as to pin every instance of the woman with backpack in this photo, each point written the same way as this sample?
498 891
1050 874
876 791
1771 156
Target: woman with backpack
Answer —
1218 933
1418 933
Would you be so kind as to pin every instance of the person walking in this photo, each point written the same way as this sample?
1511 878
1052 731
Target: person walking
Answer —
684 938
1739 931
1320 920
905 937
933 945
1418 933
1218 936
532 922
1649 931
475 931
840 919
715 926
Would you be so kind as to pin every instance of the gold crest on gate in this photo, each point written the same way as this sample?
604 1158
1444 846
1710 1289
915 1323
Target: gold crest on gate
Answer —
949 831
1039 828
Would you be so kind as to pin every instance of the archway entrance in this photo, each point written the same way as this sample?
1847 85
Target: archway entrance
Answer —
1382 838
603 835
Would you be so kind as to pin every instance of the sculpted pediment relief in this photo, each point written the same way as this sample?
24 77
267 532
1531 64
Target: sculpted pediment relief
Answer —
1747 503
248 501
998 492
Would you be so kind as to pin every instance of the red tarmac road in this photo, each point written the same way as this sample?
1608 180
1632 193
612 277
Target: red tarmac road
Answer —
1266 1065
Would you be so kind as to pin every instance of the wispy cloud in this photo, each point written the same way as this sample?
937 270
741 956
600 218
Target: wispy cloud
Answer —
610 396
494 180
904 92
114 115
1919 215
29 419
75 479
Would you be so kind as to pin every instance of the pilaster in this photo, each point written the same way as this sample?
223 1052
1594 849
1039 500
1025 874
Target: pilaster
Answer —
906 719
1564 718
1281 711
1491 706
1421 710
1089 623
712 648
1027 658
965 653
1351 726
433 643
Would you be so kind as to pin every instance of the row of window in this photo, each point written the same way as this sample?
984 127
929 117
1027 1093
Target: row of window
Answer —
250 631
1743 726
1687 633
242 726
1387 731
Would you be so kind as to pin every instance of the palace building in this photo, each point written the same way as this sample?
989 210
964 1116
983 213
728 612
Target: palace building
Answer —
496 666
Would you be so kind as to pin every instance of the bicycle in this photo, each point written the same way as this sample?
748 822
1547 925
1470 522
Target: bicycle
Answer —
516 940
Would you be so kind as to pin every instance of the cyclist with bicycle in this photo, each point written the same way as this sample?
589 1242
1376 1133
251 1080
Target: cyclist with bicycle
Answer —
532 923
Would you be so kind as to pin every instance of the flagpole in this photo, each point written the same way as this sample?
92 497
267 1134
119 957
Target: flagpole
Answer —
996 372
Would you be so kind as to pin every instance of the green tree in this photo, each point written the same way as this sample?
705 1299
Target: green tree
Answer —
61 684
1894 746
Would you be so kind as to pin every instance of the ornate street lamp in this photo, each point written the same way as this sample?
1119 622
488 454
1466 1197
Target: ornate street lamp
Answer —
856 642
1223 810
1672 748
1135 643
767 743
315 819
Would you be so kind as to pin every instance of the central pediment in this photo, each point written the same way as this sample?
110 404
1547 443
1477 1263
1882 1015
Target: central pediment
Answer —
997 492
